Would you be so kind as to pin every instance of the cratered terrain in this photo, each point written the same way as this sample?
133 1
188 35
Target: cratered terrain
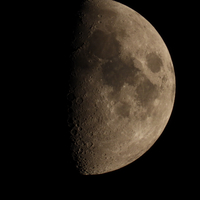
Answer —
121 87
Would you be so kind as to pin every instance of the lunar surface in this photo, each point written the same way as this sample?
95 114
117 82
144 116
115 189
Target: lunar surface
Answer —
121 87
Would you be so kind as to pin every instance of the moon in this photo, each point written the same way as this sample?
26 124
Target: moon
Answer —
121 87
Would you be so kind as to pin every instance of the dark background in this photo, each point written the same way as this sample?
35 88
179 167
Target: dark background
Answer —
38 45
172 162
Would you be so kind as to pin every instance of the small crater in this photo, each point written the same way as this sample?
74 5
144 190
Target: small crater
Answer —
70 97
90 144
154 62
77 124
80 129
79 100
156 102
74 131
90 79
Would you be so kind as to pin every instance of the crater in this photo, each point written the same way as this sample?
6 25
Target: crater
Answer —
79 100
154 62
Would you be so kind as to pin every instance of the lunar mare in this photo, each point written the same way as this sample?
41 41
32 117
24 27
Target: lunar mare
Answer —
122 87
